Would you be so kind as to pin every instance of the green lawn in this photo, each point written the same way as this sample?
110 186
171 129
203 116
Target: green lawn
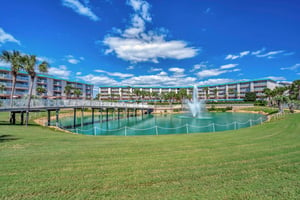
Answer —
261 162
268 110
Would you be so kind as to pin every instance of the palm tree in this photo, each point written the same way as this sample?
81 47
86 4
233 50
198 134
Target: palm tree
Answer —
216 93
77 92
68 90
295 90
143 95
268 93
30 65
15 60
98 97
170 96
182 93
2 87
206 92
137 93
280 97
155 95
40 90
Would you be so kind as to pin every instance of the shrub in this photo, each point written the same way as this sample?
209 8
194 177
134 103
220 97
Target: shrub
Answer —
250 96
260 103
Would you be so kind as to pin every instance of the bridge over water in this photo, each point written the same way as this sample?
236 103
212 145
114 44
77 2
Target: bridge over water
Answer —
41 105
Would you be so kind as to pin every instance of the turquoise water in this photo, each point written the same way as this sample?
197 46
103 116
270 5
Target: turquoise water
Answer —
161 124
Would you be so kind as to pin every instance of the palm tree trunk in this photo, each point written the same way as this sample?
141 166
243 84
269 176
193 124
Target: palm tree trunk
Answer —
14 78
29 99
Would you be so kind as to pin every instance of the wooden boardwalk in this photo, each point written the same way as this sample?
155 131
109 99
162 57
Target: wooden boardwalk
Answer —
40 105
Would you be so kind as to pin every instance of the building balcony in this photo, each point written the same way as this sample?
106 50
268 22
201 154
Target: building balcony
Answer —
41 83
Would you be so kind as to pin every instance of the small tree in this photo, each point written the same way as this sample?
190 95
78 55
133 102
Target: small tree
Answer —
281 97
250 96
182 95
40 90
216 93
77 92
268 93
206 89
137 93
2 87
68 90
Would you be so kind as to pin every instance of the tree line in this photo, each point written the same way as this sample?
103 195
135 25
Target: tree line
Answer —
279 96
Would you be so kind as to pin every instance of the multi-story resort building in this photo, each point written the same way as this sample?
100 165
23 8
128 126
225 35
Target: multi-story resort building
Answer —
220 92
54 86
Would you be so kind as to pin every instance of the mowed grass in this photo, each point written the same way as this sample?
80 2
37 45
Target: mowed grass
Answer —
261 162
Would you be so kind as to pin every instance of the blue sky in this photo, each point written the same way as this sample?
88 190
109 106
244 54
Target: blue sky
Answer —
157 42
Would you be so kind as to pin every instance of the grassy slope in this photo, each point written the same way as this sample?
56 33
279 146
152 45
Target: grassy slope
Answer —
262 162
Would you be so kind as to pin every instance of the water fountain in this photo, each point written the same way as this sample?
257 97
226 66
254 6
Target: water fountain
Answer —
197 121
197 107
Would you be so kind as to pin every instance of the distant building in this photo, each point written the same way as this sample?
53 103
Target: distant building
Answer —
54 86
220 92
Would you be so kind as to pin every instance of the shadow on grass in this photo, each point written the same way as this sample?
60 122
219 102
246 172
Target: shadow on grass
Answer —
7 138
6 123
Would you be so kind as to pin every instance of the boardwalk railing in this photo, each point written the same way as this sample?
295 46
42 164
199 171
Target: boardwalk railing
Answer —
59 103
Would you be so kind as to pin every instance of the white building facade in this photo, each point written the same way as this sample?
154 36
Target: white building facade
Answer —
226 91
54 86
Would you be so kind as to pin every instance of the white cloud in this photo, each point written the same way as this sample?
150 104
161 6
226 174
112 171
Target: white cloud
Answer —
258 51
236 70
60 71
118 74
276 78
228 66
207 11
135 44
244 53
139 50
159 80
292 68
81 9
43 58
199 66
162 73
130 67
210 72
4 64
98 80
289 54
240 55
176 70
152 69
218 71
270 54
216 81
78 73
6 37
231 57
72 60
141 7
